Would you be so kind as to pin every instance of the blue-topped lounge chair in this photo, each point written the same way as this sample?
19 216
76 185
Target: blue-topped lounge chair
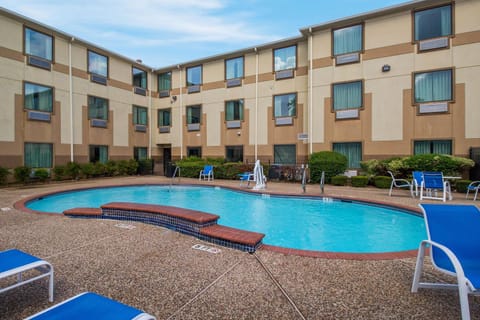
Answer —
15 262
473 186
206 173
91 306
399 183
454 238
417 178
246 177
434 183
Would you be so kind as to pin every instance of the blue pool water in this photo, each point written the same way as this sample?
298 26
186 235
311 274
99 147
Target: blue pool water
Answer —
292 222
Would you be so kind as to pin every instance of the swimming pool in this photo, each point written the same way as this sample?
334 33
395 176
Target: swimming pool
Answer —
292 222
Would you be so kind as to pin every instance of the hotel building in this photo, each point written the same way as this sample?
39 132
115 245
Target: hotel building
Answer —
397 81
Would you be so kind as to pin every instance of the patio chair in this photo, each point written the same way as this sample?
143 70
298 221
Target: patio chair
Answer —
89 305
432 184
15 262
417 177
399 183
206 173
453 235
473 186
246 177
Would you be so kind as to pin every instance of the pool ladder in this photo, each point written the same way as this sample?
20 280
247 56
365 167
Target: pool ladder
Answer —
175 172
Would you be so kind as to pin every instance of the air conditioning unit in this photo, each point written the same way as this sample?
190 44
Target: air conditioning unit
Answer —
233 124
234 82
347 114
140 128
283 121
98 79
99 123
38 115
39 62
437 107
284 74
433 44
347 58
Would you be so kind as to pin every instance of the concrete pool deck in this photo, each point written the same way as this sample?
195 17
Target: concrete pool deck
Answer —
157 270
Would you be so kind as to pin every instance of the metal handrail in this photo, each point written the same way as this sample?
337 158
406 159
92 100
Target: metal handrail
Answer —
322 181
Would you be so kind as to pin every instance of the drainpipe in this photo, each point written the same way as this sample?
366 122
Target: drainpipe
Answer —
70 88
256 104
310 93
150 122
181 112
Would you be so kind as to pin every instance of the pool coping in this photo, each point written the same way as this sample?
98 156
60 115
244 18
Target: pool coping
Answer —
21 205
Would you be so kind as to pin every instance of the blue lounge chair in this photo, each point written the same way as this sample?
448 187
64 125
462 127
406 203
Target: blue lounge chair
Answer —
473 186
455 246
91 306
206 173
432 184
14 262
246 177
417 178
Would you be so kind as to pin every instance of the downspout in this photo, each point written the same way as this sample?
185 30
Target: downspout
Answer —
181 112
310 93
150 122
256 104
70 88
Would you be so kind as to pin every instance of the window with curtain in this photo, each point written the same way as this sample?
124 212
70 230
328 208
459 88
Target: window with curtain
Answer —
234 68
234 110
164 117
194 76
97 108
433 86
433 23
347 40
38 44
347 95
38 155
139 78
38 97
194 114
285 58
97 64
234 153
285 105
140 115
98 154
164 81
432 147
194 152
285 154
351 150
140 153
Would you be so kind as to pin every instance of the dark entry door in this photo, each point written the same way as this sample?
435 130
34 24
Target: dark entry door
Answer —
167 162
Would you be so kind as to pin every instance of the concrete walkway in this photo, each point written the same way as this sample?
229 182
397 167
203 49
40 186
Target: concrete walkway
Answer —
157 270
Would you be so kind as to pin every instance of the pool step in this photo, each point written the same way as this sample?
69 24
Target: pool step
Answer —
196 223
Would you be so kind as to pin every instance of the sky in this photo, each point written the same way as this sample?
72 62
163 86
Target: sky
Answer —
162 33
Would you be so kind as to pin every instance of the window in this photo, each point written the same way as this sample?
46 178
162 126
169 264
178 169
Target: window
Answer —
234 110
97 108
234 153
194 114
38 44
139 78
347 40
351 150
38 155
140 153
234 68
285 58
140 115
433 23
432 147
285 154
285 105
194 79
433 86
194 152
98 154
164 117
164 84
347 95
97 64
38 97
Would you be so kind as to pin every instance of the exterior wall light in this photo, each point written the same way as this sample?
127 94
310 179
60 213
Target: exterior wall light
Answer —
386 68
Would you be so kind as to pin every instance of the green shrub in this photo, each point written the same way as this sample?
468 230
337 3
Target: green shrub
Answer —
41 174
382 182
359 181
110 168
59 173
4 172
461 185
333 163
132 167
339 180
72 170
87 170
145 166
22 174
99 169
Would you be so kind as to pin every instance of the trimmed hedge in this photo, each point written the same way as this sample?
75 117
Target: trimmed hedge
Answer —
339 180
461 185
359 181
4 172
382 182
333 163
